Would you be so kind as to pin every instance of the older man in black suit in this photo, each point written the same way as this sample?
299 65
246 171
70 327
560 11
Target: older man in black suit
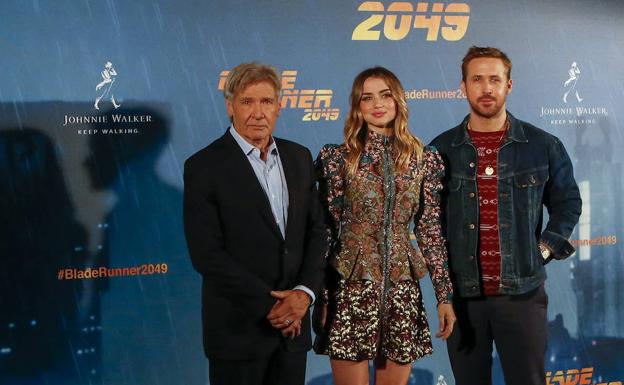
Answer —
255 233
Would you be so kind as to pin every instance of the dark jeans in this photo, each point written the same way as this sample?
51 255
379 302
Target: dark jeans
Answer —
281 368
516 324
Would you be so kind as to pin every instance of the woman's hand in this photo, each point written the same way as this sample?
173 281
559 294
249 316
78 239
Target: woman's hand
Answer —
446 317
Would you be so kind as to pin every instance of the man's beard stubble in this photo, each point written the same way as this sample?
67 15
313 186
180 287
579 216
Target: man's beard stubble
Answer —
487 113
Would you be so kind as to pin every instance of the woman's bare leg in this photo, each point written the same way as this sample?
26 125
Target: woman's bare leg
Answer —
350 372
391 373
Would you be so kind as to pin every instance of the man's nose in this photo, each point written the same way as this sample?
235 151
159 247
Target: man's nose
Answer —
257 111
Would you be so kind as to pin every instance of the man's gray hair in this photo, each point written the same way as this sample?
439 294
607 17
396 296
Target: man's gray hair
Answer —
246 74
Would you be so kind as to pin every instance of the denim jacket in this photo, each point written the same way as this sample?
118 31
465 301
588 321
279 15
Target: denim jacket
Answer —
534 171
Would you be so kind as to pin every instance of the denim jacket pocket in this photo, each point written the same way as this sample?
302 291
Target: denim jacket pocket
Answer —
529 188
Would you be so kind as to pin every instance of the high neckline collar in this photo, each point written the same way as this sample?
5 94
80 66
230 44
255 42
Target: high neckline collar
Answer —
374 139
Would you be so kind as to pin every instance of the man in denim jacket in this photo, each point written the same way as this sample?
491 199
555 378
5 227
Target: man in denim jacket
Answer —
501 172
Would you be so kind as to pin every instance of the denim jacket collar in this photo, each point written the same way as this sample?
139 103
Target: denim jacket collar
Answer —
516 131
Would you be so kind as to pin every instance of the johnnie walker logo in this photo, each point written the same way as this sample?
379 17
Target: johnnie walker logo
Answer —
114 122
573 111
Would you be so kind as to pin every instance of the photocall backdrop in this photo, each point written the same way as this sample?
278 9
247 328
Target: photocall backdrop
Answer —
102 101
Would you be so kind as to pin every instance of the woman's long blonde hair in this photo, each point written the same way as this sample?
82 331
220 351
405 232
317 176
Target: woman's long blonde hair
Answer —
406 145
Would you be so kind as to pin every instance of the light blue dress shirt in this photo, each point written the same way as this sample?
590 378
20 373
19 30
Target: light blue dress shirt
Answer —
271 177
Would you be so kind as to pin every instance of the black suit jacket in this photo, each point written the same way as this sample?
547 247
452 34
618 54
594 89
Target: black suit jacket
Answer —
237 247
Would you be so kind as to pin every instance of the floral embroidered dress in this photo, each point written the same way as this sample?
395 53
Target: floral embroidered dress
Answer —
375 307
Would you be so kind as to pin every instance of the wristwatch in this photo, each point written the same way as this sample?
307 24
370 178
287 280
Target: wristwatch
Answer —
545 251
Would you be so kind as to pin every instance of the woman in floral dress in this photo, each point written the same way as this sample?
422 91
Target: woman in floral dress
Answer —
372 186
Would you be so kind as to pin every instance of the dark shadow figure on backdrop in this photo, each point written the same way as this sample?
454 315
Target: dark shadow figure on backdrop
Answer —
151 324
39 235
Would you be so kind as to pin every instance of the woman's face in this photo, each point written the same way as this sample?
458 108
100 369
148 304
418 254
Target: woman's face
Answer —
377 105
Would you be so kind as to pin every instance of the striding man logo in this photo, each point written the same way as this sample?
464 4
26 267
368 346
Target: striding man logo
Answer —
574 73
105 87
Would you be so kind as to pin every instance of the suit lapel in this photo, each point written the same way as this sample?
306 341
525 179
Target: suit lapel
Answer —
289 174
251 183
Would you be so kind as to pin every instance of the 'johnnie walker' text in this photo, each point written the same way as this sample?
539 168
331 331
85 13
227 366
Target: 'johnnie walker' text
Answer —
99 119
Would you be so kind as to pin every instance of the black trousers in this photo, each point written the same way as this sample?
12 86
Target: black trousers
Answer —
280 368
515 323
